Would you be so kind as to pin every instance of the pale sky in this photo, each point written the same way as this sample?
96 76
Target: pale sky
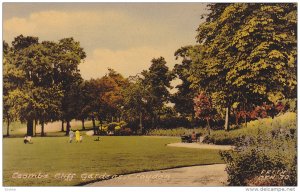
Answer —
122 36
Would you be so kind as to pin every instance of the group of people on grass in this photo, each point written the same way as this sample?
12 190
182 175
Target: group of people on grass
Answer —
78 136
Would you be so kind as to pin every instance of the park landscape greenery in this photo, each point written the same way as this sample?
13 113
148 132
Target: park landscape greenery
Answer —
238 86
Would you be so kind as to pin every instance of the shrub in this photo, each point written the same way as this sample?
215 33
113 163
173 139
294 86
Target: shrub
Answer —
122 124
176 132
117 128
111 126
102 132
104 128
125 131
266 125
269 158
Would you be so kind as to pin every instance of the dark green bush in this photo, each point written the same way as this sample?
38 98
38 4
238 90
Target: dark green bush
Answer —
126 131
273 153
176 132
218 139
111 126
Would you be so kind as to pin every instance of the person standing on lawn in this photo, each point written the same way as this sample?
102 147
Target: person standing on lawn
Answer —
71 135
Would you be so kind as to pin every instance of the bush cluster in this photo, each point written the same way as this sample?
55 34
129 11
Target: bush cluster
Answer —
268 158
266 125
118 128
176 132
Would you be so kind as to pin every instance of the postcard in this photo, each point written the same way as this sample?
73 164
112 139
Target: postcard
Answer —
149 94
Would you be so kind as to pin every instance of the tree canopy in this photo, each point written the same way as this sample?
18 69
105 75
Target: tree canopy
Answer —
244 60
38 77
250 59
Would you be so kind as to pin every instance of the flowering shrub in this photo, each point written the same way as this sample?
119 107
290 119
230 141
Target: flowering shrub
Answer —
122 124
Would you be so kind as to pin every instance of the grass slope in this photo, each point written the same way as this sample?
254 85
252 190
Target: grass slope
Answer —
266 125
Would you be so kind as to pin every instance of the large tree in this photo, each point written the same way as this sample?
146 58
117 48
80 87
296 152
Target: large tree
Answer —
68 55
30 57
135 97
84 102
183 98
12 79
45 67
249 52
156 81
102 98
111 99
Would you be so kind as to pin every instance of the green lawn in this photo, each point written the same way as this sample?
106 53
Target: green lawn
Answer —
111 155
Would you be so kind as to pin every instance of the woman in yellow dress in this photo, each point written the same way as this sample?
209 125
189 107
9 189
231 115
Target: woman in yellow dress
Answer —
77 135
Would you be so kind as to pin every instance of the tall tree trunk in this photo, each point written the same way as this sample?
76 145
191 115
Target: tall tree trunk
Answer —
62 126
8 122
35 123
193 120
153 122
94 125
101 124
245 115
227 124
141 123
208 125
82 121
158 121
236 118
42 129
68 127
29 127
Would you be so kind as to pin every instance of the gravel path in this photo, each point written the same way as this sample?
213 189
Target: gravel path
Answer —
204 175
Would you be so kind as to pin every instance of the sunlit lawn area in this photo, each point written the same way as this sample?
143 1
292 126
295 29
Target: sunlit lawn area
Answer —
110 155
18 129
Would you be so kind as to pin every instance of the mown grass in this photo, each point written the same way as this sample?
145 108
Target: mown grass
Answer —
111 155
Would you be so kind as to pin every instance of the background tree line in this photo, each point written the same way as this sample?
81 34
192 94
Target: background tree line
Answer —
42 83
242 67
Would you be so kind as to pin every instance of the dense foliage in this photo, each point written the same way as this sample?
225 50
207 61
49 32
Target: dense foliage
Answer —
38 78
248 55
268 158
242 68
221 137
